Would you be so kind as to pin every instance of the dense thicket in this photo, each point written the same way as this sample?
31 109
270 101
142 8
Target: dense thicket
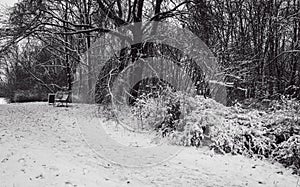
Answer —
73 25
257 42
32 72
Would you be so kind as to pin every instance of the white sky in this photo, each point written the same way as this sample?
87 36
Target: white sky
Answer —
7 2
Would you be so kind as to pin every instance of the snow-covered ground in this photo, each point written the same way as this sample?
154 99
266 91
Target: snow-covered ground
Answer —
2 101
42 145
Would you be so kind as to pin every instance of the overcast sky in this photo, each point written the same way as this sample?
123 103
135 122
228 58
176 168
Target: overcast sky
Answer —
8 2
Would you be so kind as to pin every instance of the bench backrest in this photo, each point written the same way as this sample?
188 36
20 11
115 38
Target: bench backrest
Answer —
62 95
65 96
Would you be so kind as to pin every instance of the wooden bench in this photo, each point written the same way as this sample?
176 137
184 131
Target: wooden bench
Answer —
62 97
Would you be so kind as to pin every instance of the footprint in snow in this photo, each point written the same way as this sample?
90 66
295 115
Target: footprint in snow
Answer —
40 176
69 184
4 160
21 160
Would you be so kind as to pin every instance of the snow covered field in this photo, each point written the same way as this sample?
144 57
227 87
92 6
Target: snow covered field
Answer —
42 145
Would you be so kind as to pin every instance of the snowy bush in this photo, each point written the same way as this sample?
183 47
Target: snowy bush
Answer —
273 134
288 153
150 111
197 121
161 113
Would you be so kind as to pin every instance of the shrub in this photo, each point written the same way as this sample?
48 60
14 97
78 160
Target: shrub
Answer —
273 134
28 96
195 121
288 153
156 112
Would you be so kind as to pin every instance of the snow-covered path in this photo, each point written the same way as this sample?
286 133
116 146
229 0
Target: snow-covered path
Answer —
41 145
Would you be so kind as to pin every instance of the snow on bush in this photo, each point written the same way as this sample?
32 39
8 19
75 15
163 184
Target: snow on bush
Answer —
288 153
197 121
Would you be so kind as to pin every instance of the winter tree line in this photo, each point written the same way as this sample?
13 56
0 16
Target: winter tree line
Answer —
256 42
